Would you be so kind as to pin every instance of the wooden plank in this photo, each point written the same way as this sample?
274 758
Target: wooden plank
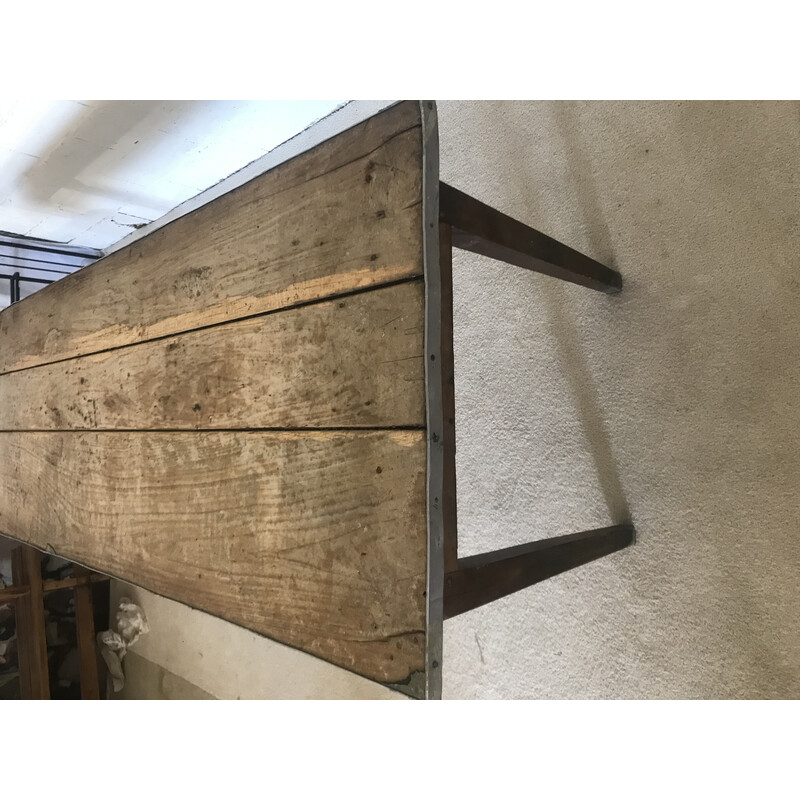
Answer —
69 583
354 361
344 216
10 593
84 622
316 539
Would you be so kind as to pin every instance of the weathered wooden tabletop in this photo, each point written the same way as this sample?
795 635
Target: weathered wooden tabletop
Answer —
244 410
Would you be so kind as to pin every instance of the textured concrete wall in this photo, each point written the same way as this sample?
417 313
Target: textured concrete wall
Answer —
676 403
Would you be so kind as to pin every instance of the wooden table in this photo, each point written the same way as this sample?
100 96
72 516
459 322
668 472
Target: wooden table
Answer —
250 410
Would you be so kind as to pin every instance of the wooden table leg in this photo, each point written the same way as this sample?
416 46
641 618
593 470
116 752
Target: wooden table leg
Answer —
485 230
468 224
84 621
34 673
450 543
490 576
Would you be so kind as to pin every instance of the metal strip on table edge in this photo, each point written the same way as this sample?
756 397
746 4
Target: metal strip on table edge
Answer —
433 399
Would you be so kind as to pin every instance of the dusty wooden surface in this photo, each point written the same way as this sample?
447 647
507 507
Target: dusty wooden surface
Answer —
317 539
354 361
342 217
163 412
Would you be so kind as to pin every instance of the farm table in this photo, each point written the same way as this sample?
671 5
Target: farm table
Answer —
251 409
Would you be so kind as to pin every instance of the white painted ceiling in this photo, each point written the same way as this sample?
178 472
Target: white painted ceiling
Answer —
89 172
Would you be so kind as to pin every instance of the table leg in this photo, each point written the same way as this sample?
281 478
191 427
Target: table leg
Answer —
482 229
481 579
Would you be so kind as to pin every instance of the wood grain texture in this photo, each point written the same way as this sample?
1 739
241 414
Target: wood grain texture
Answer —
231 411
354 361
316 539
344 216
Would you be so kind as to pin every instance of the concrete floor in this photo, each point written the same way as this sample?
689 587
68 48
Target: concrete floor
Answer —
675 404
